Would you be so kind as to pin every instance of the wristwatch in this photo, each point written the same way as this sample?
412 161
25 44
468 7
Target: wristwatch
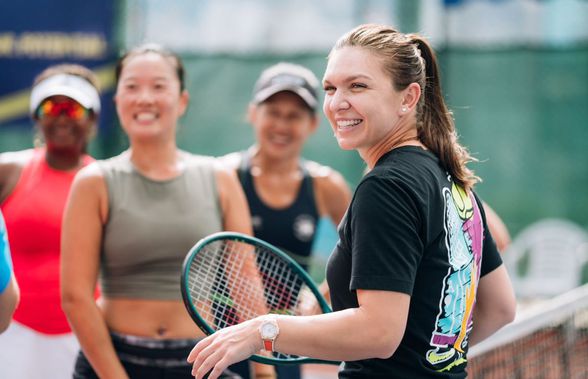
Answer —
269 331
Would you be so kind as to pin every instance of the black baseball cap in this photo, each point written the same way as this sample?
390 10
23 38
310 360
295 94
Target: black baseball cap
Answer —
287 77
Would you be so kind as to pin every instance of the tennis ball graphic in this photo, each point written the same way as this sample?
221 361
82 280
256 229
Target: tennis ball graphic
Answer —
462 202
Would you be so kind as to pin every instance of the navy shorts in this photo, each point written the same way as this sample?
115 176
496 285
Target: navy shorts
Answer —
146 358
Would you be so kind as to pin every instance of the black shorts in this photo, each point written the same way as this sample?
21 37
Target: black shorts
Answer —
146 358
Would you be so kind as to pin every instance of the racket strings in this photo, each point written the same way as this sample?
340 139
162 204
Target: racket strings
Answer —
231 281
281 282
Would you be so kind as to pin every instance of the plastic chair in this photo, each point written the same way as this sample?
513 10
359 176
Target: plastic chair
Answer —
547 258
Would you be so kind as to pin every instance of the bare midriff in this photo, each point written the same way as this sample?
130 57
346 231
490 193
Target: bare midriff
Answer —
160 319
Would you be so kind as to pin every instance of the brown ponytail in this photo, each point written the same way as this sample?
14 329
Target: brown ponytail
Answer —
435 122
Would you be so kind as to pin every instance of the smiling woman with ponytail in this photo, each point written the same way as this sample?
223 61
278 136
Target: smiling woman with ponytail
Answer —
415 278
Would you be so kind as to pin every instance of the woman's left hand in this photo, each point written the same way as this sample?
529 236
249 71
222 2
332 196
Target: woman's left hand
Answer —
223 348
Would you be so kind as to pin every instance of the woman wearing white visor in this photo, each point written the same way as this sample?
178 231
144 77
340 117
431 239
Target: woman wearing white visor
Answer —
34 185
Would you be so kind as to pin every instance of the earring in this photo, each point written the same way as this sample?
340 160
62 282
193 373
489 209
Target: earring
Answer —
404 109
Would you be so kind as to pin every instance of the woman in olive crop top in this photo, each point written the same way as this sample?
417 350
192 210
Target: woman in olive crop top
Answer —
131 219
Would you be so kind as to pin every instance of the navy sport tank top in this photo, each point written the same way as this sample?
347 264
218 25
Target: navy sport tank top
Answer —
293 228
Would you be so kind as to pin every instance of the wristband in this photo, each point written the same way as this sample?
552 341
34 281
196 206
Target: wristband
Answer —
5 262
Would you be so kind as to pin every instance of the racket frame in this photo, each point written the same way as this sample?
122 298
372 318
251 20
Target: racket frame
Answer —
243 238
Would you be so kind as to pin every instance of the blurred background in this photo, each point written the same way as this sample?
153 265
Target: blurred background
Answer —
515 73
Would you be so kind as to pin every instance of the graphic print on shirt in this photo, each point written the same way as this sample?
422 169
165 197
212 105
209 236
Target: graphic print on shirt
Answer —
304 227
463 241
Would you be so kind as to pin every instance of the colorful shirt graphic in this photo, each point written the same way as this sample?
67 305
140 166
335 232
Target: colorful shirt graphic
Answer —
463 227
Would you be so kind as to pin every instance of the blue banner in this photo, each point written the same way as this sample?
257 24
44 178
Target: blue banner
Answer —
35 34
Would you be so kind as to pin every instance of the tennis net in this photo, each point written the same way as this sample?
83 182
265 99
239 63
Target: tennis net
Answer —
546 341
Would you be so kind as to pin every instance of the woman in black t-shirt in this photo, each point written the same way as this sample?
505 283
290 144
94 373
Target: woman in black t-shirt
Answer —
415 278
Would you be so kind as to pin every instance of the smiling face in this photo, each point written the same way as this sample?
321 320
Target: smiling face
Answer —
66 126
148 97
282 124
361 103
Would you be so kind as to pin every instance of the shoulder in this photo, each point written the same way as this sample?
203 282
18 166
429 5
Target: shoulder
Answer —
406 158
16 158
416 170
385 186
89 182
11 166
332 193
117 166
199 161
227 185
205 168
89 193
92 172
206 163
317 170
223 171
387 198
325 177
12 163
231 160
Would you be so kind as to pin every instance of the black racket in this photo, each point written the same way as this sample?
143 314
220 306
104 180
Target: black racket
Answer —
228 278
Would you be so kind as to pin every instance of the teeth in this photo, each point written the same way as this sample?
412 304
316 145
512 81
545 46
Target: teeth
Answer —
343 124
280 139
145 116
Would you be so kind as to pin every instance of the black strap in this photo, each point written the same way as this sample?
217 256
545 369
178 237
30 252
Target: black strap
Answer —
244 166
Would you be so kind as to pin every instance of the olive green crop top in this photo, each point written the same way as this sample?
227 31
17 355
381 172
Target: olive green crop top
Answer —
152 225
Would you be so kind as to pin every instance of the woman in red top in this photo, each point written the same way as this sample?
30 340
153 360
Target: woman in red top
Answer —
34 185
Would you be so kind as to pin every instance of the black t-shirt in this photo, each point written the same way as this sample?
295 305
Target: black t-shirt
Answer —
411 229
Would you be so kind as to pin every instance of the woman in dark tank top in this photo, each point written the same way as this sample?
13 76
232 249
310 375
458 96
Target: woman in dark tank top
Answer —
131 219
287 195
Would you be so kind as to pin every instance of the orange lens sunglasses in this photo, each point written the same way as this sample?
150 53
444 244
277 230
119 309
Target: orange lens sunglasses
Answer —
71 108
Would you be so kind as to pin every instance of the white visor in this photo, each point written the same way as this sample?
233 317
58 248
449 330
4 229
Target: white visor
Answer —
72 86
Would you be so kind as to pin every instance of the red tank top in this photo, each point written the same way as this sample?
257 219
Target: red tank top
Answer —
33 214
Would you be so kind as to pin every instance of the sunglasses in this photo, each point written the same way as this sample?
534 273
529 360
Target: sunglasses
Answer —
70 108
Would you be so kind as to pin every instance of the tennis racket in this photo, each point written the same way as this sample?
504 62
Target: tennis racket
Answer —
228 278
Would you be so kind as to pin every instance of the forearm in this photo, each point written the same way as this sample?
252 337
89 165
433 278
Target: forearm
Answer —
495 305
373 330
341 336
91 330
485 324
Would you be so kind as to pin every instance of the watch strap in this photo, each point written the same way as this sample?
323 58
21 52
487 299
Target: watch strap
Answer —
268 345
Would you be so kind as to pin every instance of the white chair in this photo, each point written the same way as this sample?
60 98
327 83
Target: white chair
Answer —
547 258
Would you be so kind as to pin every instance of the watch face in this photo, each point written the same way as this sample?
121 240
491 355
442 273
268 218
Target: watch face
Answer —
268 330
